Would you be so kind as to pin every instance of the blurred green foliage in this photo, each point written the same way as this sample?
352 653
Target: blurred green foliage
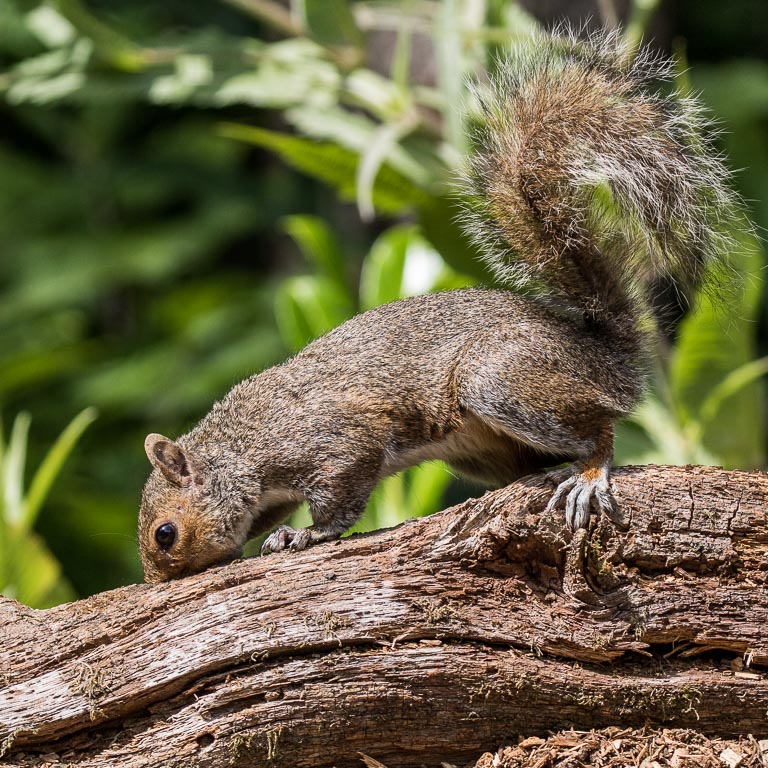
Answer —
28 571
160 165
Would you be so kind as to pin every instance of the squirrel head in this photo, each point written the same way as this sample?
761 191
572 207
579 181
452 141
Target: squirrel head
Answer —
182 528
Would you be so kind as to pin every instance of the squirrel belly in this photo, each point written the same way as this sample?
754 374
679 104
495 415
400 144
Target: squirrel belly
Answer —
584 185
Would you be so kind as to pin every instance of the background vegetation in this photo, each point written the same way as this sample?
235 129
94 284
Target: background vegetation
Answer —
192 191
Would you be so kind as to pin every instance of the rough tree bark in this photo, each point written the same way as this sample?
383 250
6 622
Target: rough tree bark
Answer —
430 642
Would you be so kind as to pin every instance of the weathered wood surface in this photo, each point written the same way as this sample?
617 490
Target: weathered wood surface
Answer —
437 640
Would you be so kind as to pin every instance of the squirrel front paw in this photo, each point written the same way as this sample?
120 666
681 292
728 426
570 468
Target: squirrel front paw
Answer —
585 486
285 537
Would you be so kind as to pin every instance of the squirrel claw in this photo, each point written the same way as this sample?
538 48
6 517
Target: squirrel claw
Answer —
281 538
285 537
581 491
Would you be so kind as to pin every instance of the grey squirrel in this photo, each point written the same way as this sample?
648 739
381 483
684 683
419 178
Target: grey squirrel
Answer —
583 185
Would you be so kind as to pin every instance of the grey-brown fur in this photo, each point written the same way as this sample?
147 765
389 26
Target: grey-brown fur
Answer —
496 384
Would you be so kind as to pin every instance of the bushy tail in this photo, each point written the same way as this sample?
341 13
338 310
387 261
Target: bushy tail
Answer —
586 182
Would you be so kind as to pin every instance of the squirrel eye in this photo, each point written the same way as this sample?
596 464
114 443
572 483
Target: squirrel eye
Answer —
165 535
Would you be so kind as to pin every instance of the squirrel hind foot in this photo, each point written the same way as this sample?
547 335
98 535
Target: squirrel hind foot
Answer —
586 488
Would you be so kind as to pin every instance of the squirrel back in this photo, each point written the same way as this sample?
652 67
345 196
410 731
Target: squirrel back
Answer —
585 182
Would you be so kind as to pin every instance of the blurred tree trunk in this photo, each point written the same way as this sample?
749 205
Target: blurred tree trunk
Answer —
430 642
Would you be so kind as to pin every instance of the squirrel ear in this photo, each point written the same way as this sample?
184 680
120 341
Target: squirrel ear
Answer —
170 459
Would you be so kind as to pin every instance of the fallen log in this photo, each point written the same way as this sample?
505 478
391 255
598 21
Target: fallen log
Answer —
434 641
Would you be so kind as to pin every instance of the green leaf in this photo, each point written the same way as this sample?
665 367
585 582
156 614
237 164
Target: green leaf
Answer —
356 132
731 385
307 307
50 27
381 280
672 444
450 70
386 506
385 138
192 72
376 94
426 487
715 340
13 471
52 464
328 162
402 263
51 76
330 22
640 16
661 427
634 446
318 244
415 492
289 72
738 90
401 58
439 218
36 575
111 46
28 571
